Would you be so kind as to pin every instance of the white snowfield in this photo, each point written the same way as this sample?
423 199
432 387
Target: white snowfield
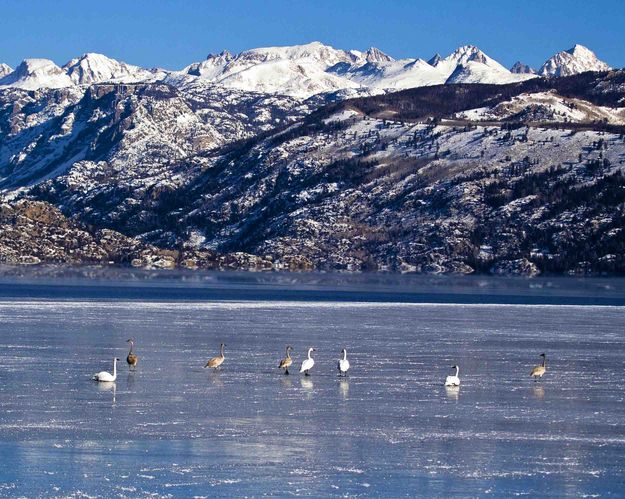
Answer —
299 70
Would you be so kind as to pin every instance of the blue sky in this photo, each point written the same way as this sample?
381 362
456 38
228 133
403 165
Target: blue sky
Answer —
172 34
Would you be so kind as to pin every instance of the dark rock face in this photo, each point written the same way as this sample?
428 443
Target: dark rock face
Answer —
33 232
436 58
520 68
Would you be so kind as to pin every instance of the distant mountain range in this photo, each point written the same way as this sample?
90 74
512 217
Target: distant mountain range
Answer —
302 70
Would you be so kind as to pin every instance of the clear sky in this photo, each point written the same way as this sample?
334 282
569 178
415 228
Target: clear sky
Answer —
174 33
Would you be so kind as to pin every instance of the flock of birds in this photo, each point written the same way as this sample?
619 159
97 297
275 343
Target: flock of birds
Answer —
308 363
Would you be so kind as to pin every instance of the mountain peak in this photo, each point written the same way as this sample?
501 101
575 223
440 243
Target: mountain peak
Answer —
95 68
467 50
376 55
578 49
466 54
224 54
5 69
32 74
436 58
521 68
469 53
577 59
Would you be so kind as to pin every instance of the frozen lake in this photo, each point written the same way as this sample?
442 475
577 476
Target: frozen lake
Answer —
391 428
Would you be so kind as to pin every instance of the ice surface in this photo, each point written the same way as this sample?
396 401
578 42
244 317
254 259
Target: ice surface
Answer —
390 428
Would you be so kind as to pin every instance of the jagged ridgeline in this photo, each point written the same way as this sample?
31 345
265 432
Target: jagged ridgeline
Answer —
517 178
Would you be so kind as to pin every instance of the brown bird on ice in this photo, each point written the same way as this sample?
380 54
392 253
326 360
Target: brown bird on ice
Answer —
215 362
287 361
132 358
539 371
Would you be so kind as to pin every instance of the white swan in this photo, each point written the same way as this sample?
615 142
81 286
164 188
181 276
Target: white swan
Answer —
104 376
343 363
453 380
308 363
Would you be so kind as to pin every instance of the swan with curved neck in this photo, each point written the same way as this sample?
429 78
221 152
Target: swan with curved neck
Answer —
287 361
215 362
539 371
453 380
132 358
308 363
106 376
343 363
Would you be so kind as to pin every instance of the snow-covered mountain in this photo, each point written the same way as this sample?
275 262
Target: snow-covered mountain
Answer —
305 70
298 70
32 74
464 55
5 69
521 68
573 61
95 68
468 64
391 74
301 71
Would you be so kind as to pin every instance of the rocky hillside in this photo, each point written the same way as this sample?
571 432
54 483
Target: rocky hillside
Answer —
520 178
34 232
133 131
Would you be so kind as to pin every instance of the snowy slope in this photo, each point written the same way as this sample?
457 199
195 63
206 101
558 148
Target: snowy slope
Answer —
5 69
569 62
298 70
546 107
32 74
404 73
212 67
477 72
96 68
298 78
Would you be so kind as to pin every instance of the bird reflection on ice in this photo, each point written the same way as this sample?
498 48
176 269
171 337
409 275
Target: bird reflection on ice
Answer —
539 392
215 380
344 388
452 392
107 386
130 380
307 384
